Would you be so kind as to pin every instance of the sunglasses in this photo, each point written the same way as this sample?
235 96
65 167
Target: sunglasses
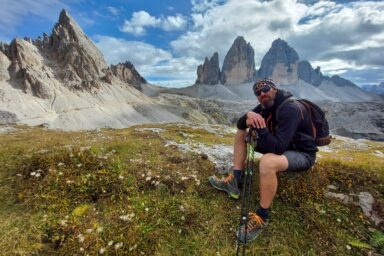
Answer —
264 89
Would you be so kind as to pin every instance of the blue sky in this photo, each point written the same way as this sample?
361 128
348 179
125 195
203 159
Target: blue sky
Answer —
166 40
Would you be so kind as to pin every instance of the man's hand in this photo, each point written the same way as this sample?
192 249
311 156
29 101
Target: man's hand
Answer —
255 120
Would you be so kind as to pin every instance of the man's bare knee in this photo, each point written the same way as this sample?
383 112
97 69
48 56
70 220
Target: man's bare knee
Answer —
272 163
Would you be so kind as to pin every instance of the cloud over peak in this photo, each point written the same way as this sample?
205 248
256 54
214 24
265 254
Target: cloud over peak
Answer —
141 20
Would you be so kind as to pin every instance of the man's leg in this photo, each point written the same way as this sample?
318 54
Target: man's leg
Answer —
270 165
239 150
230 183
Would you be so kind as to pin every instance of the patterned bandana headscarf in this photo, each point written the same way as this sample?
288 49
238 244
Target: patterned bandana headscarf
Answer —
263 82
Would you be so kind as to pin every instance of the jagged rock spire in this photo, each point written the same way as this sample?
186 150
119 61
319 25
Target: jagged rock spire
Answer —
209 72
280 52
82 62
239 63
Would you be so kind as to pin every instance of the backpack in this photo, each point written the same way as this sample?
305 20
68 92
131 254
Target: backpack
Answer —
320 127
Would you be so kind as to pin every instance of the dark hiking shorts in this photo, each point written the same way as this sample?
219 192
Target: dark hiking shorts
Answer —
299 161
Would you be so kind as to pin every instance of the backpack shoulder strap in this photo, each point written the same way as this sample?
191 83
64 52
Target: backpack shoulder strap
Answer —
291 99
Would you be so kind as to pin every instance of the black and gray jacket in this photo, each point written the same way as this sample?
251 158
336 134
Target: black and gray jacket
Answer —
292 130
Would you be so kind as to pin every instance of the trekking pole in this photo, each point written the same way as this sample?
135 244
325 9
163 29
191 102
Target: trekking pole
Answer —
247 189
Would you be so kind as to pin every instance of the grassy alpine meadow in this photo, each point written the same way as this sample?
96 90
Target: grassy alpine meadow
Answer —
135 191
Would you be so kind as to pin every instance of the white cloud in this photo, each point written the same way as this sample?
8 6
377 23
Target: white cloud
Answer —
204 5
119 50
147 59
113 10
140 20
13 12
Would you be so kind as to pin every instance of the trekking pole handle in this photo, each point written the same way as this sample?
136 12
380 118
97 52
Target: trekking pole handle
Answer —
252 136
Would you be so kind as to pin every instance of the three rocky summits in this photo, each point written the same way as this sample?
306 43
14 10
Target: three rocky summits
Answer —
281 63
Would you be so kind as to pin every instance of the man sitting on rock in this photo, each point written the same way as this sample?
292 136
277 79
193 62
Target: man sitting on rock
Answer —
284 143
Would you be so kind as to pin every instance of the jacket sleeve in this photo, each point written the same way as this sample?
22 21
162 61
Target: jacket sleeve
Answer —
242 122
288 123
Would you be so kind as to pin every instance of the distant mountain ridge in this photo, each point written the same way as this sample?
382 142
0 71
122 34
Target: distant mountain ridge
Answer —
377 89
282 64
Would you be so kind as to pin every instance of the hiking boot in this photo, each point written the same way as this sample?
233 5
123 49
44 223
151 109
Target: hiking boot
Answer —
255 225
228 184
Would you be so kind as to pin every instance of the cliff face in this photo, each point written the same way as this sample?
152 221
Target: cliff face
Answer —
280 63
209 72
239 63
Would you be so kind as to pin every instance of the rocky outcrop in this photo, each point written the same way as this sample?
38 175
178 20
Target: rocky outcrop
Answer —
28 70
280 63
125 72
308 74
4 64
81 63
239 63
209 72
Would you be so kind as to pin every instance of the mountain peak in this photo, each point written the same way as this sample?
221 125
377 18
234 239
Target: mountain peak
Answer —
239 63
64 17
280 52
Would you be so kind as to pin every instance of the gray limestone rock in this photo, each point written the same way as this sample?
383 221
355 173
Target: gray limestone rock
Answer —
81 63
308 74
126 72
27 69
239 63
209 72
280 52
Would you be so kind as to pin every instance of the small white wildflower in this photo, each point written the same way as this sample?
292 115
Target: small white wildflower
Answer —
79 165
110 243
33 173
157 183
180 231
118 245
148 178
143 175
338 220
182 191
348 247
89 230
125 217
198 182
181 208
184 178
60 164
102 250
146 209
81 238
121 177
182 218
19 175
60 173
100 229
81 249
63 222
37 175
133 248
